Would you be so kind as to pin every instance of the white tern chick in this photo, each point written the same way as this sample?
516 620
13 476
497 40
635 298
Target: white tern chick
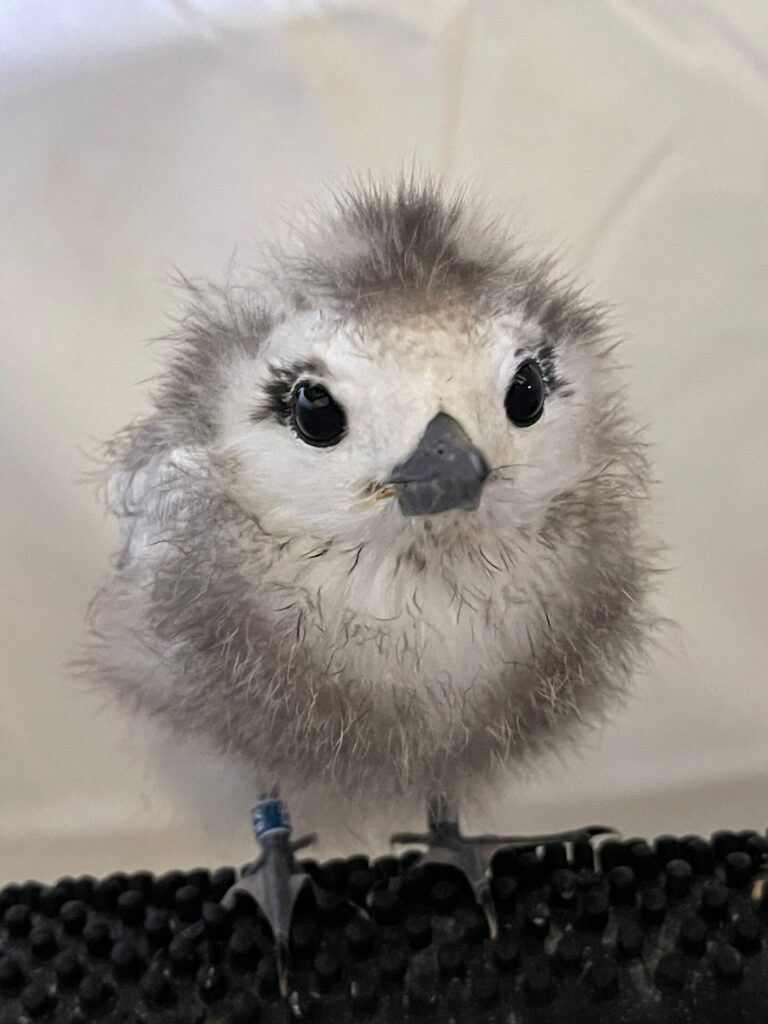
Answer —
381 529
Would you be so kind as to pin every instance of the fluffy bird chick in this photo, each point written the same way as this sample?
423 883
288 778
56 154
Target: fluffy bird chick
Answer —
381 528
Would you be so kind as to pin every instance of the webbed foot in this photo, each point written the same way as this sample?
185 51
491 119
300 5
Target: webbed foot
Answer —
472 855
275 881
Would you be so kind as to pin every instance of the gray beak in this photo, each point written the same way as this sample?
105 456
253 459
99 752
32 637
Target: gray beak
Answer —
446 471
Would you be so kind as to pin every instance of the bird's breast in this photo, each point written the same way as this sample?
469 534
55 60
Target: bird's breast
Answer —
428 628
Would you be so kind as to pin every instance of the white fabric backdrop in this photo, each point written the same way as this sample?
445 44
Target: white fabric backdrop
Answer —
140 136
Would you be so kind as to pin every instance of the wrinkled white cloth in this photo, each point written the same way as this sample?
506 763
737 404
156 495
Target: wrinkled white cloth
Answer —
138 137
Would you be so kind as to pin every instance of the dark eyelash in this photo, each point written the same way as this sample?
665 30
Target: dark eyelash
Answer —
278 395
279 388
545 357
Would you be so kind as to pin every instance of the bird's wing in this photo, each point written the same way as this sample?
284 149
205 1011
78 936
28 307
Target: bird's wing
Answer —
149 499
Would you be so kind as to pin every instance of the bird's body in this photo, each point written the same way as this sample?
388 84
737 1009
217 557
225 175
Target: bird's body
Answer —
294 589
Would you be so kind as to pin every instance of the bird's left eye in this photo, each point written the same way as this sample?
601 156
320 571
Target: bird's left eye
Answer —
525 397
318 419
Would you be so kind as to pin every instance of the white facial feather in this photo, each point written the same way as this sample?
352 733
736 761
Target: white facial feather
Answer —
444 621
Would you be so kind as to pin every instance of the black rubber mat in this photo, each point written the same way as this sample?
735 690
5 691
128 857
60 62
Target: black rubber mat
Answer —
672 931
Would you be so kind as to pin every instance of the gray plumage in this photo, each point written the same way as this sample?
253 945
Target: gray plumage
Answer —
271 597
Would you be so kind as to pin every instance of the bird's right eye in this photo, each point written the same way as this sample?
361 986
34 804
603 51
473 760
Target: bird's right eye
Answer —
317 417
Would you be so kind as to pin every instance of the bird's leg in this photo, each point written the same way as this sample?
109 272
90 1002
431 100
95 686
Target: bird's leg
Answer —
472 855
275 880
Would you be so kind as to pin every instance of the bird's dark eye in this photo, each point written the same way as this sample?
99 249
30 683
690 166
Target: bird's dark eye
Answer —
319 420
525 398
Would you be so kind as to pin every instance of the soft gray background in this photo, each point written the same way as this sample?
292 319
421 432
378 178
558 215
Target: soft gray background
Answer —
139 136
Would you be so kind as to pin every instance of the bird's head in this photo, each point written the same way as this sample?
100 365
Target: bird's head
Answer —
426 381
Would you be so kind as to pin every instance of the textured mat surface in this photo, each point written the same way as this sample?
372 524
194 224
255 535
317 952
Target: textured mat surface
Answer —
673 931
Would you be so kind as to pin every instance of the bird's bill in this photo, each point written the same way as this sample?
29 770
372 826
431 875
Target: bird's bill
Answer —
446 471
